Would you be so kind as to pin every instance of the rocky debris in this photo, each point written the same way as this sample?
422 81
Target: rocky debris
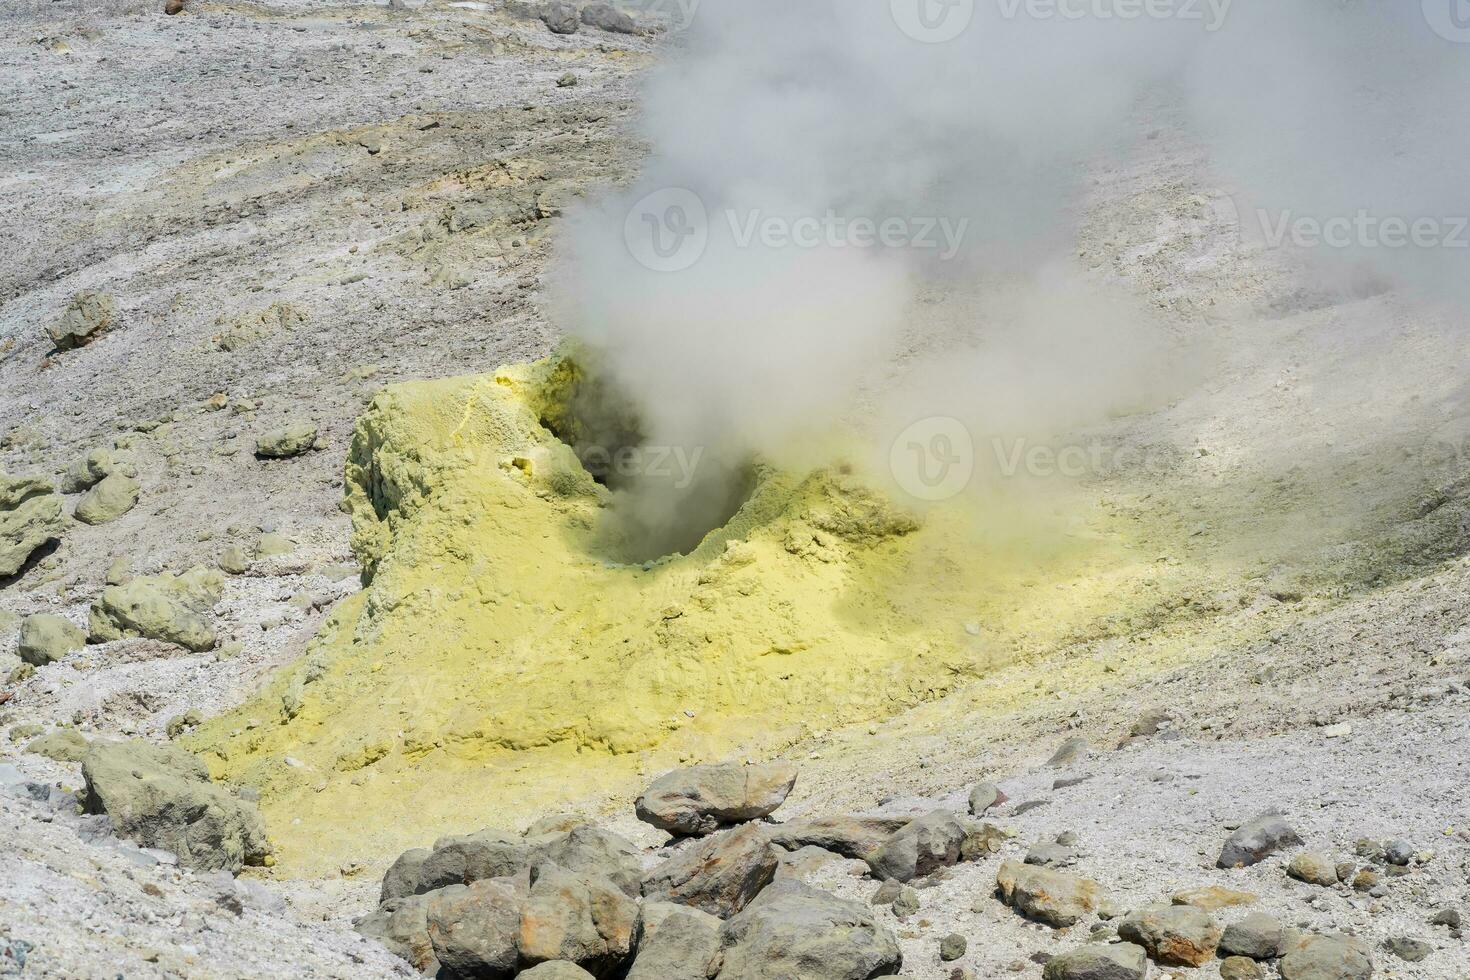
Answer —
1255 840
1240 968
984 840
674 943
1258 936
401 926
851 836
702 799
237 559
178 724
1055 898
560 17
924 845
86 317
93 468
555 970
984 796
235 895
606 17
1313 868
1173 935
110 499
162 797
30 518
1327 958
585 920
906 903
792 930
1446 917
13 955
287 441
173 609
475 929
952 947
1151 723
1213 898
1399 853
1049 854
1073 750
45 639
719 875
1408 948
566 80
62 745
1122 961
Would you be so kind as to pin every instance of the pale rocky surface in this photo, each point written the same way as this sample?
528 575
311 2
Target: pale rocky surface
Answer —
384 211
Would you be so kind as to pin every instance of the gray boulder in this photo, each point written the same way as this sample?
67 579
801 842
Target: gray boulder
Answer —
920 848
1072 751
719 875
474 930
468 859
287 441
404 875
702 799
586 920
62 745
93 468
161 796
1252 843
1055 898
401 926
555 970
1124 961
30 518
606 17
795 932
1173 935
1258 936
1327 958
851 836
86 317
174 609
674 943
110 499
45 639
1313 868
560 17
984 796
589 850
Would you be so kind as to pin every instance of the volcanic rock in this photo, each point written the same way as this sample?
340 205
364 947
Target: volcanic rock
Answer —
62 745
675 942
161 796
463 860
92 469
1055 898
110 499
1073 750
1240 968
45 639
1213 898
475 929
285 442
1313 868
85 318
922 846
164 607
1173 935
401 925
1407 948
792 930
851 836
719 875
555 970
1255 840
30 517
585 920
984 796
1257 936
606 17
560 17
1327 958
1122 961
701 799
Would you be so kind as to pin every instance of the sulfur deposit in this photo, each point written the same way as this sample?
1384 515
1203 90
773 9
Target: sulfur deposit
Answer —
502 660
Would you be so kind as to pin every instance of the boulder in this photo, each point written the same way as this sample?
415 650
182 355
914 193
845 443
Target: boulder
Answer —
921 847
174 609
1258 936
796 932
1327 958
1072 751
674 943
93 468
1124 961
583 919
30 518
555 970
161 796
851 836
62 745
86 317
1240 968
45 639
1255 840
719 875
1055 898
606 17
471 858
984 796
403 876
1313 868
555 823
1407 948
287 441
1173 935
702 799
952 947
237 559
401 926
589 850
1213 898
560 17
474 930
110 499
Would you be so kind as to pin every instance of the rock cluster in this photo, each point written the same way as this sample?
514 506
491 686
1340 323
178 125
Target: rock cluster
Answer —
30 518
171 608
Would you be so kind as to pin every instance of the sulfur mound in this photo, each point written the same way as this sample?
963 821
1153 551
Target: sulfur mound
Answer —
505 660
